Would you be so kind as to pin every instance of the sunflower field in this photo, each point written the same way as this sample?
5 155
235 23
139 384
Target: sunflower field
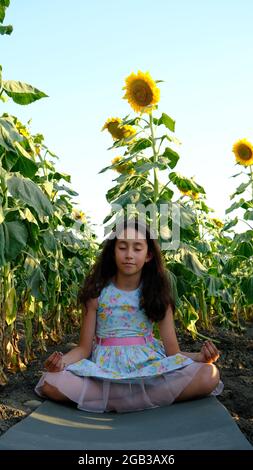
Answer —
47 245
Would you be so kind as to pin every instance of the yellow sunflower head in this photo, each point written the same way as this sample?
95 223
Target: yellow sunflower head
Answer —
122 167
116 160
79 215
194 195
141 92
128 131
22 130
243 151
217 222
113 125
119 131
188 192
37 149
185 192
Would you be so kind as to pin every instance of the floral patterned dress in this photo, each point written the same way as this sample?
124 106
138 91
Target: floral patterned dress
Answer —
119 316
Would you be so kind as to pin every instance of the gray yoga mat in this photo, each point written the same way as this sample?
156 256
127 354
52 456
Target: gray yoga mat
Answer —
194 425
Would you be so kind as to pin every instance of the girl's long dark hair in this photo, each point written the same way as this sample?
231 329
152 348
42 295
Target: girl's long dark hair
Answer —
156 294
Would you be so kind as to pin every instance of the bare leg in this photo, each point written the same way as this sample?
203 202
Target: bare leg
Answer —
53 393
204 382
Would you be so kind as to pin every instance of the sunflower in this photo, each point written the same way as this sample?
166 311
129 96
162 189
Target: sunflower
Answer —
122 167
243 151
194 195
116 160
119 131
22 130
185 192
128 131
37 149
79 215
141 92
217 222
113 126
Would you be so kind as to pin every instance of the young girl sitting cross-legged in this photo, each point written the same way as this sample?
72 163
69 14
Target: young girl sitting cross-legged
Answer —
118 364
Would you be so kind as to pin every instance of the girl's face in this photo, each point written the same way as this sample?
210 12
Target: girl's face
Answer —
131 251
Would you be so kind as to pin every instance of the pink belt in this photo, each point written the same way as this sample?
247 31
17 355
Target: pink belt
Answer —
127 341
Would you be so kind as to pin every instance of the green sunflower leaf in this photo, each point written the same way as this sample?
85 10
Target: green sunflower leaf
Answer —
6 29
141 144
172 156
167 121
246 285
22 93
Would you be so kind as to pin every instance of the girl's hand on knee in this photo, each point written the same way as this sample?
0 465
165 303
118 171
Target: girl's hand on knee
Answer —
208 353
54 363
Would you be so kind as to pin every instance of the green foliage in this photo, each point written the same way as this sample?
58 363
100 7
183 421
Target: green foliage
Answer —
4 29
13 237
46 245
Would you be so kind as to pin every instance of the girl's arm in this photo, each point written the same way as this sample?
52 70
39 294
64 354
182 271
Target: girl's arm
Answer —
57 361
168 333
208 353
83 350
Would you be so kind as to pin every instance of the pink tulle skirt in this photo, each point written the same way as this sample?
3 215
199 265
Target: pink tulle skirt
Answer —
96 395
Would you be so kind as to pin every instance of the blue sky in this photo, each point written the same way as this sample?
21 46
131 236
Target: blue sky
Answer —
79 53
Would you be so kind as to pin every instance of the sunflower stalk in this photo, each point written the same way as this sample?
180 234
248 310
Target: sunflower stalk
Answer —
155 155
251 178
3 186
